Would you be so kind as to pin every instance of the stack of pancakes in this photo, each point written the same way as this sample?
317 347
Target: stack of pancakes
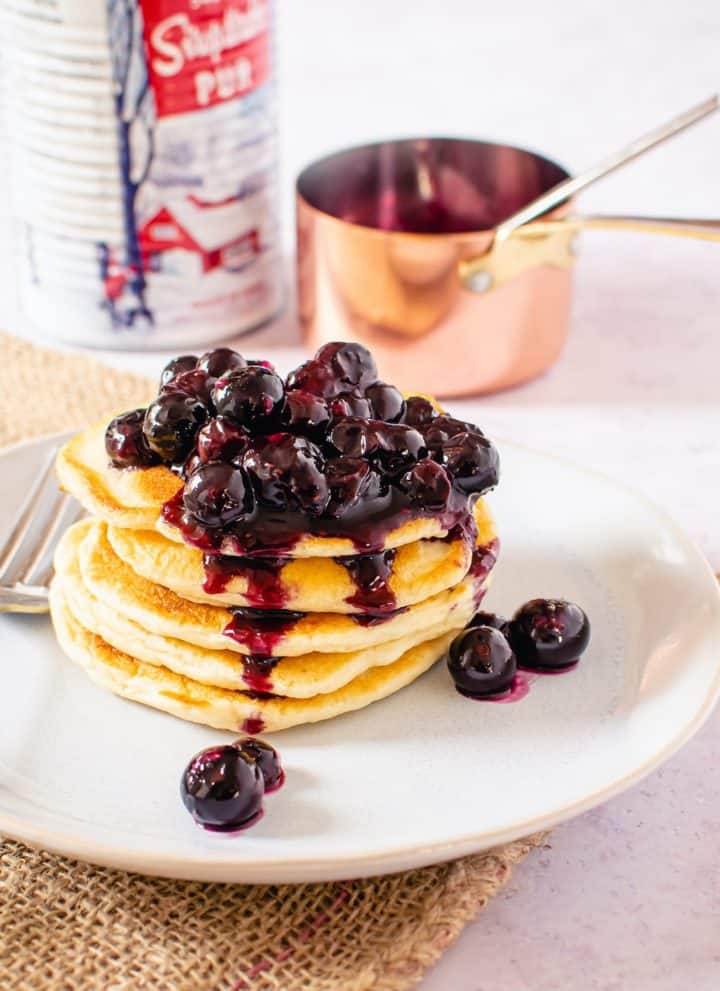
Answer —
251 644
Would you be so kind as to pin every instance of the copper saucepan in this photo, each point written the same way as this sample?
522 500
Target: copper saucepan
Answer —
423 250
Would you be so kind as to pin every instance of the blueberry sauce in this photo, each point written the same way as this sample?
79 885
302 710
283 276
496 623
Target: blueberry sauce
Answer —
261 630
265 588
257 670
518 690
375 619
484 558
370 573
253 724
277 534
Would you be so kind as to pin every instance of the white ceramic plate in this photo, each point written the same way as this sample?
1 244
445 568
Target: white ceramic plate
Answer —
423 776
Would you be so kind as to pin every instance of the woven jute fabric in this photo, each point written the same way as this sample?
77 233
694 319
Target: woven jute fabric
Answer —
68 926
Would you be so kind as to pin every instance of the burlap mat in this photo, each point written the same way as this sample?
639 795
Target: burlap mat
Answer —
65 925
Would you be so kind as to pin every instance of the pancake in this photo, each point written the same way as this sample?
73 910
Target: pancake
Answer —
229 710
159 610
418 571
296 677
134 498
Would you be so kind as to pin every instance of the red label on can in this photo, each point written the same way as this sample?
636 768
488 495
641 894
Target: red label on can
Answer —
204 52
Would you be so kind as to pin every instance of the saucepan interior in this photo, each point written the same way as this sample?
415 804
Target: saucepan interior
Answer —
427 185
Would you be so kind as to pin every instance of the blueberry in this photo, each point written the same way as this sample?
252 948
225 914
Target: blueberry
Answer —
419 411
352 482
268 760
386 401
315 378
489 619
549 634
353 437
288 472
472 462
350 404
261 363
185 363
253 396
171 424
428 485
195 382
218 494
481 662
398 446
125 441
221 440
222 788
306 414
351 364
220 361
439 431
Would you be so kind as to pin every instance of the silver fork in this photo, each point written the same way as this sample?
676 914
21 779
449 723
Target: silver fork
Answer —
27 555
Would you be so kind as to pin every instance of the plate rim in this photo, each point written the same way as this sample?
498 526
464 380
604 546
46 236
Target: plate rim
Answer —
222 867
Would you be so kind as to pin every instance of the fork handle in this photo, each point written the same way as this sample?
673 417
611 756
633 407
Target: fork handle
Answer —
27 598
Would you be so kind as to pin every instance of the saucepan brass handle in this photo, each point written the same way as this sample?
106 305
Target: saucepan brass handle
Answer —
553 242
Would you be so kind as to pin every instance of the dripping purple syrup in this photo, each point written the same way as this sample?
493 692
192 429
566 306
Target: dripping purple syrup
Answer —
375 619
261 630
253 725
257 670
265 588
370 574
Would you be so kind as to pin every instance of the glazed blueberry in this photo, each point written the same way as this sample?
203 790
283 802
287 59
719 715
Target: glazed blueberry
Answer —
549 634
261 363
220 361
428 485
195 382
218 494
419 412
171 424
353 437
350 404
222 788
125 442
386 401
185 363
351 364
253 396
306 414
288 472
352 482
315 378
187 467
443 429
268 760
398 446
221 440
489 619
481 662
472 462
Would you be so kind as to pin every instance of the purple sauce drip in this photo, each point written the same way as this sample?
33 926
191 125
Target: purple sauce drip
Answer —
257 670
370 573
261 630
265 588
375 619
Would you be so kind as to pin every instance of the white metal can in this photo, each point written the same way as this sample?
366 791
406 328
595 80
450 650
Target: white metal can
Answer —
142 137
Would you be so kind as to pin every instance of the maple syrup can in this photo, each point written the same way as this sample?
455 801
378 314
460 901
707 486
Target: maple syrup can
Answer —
143 167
